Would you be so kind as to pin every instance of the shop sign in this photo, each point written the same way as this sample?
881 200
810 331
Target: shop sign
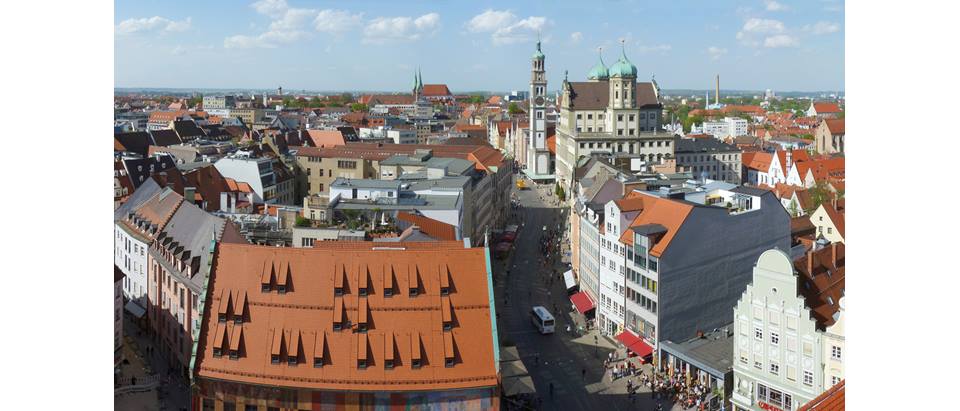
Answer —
768 407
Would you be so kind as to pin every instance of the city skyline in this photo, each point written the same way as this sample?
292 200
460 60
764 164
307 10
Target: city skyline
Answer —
752 45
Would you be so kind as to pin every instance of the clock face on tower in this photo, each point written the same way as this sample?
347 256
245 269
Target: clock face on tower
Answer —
539 101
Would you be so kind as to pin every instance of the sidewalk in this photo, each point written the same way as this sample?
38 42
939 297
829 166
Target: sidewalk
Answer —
173 392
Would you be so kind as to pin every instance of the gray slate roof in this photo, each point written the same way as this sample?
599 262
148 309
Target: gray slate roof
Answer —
146 191
194 229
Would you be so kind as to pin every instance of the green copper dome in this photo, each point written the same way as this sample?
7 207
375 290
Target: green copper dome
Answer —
599 72
623 67
538 54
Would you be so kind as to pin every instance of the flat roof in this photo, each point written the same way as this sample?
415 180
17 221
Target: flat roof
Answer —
713 353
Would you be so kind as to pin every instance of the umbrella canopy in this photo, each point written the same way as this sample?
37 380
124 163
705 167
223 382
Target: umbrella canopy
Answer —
518 385
512 369
509 354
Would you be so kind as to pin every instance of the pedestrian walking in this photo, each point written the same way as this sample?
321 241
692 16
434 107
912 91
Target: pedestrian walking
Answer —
551 390
583 374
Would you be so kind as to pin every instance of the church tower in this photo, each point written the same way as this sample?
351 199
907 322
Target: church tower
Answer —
538 156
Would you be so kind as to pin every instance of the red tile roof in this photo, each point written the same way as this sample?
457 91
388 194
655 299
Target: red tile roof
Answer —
830 400
836 126
552 143
301 320
836 217
436 90
826 108
821 282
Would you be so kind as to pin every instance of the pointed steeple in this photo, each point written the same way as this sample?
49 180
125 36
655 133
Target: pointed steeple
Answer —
419 80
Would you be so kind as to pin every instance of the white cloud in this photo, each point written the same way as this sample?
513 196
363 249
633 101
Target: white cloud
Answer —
576 37
149 24
386 29
779 40
506 28
822 27
774 6
772 33
715 52
337 21
491 20
272 8
286 27
656 48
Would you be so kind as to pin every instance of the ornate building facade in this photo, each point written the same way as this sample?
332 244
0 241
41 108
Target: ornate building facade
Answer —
610 113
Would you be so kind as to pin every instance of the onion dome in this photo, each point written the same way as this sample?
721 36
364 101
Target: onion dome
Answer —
599 72
623 67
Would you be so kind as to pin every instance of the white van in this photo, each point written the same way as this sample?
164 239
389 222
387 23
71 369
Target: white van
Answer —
542 319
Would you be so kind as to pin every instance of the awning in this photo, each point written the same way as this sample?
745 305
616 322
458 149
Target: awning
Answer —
509 354
569 280
582 301
512 369
135 309
518 385
634 343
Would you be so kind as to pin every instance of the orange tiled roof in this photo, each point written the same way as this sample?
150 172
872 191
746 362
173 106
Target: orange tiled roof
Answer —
830 400
552 143
301 321
836 217
433 228
326 138
668 213
758 160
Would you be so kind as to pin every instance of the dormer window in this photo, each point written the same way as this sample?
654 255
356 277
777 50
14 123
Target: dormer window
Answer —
388 364
265 287
447 326
217 352
363 292
337 325
362 364
414 291
274 359
292 360
222 317
338 291
388 292
444 290
317 362
281 289
415 363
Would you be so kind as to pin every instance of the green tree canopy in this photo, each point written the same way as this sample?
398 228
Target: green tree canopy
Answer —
358 107
513 108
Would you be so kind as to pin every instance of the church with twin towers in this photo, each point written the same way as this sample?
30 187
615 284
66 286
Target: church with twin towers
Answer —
611 115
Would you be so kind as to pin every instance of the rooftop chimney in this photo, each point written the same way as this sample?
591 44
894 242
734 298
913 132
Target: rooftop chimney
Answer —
833 253
810 263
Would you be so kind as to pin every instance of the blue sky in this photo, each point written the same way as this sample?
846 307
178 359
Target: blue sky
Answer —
376 45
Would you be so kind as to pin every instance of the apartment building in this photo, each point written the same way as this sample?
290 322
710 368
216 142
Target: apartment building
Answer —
684 264
708 158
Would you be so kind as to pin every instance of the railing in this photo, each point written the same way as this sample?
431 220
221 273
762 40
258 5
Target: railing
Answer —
144 384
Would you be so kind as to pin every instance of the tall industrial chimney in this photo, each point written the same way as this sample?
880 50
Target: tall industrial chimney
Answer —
717 101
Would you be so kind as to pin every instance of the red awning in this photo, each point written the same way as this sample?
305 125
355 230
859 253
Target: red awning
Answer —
634 343
641 348
582 301
627 338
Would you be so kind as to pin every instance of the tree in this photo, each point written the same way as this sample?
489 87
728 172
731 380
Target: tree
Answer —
559 192
819 194
346 98
476 99
513 108
794 209
193 102
302 221
358 107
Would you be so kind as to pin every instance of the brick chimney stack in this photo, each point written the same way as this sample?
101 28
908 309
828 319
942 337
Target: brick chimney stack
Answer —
833 253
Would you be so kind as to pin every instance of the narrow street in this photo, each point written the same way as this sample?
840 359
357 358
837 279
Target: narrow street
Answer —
562 358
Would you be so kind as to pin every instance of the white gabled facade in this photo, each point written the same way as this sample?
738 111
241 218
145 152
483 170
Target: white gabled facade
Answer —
130 254
778 351
612 302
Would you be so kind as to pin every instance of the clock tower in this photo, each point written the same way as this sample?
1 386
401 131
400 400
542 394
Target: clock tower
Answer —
538 156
